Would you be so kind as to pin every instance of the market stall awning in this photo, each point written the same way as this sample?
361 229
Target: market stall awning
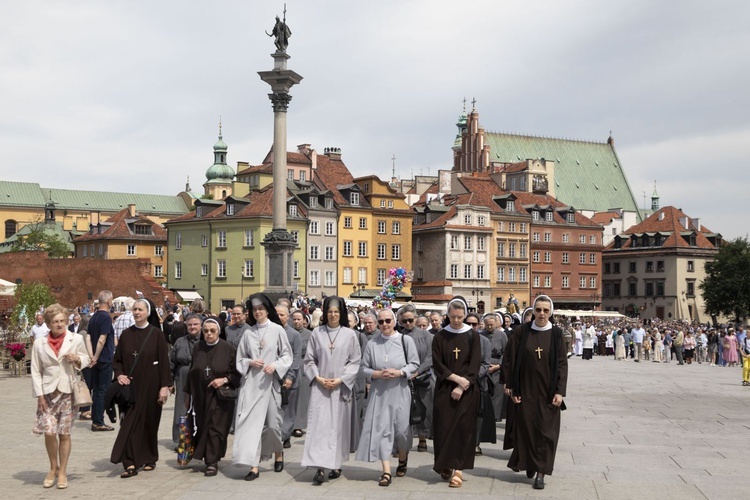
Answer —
188 295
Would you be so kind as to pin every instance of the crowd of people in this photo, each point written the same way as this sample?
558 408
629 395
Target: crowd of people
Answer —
368 382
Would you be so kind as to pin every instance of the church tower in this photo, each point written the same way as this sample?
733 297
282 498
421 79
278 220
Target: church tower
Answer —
654 200
219 176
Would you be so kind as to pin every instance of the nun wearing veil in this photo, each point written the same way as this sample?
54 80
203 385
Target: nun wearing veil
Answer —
537 375
332 363
263 358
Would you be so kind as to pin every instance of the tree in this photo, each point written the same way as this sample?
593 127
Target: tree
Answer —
30 297
38 240
726 288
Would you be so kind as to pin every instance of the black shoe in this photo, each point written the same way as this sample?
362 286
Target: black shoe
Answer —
334 474
287 443
278 465
530 473
297 433
539 483
320 477
252 476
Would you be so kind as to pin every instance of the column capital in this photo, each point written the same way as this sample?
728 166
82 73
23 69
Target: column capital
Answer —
280 102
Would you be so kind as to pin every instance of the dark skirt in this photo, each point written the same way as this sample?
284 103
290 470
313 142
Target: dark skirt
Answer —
689 353
588 353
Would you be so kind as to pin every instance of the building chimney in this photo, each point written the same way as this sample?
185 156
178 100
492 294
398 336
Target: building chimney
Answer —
303 148
685 222
696 223
131 209
333 153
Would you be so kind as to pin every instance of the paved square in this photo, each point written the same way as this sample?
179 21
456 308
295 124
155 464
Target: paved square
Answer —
632 430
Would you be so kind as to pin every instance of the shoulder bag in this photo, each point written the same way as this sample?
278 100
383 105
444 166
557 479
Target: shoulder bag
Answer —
417 410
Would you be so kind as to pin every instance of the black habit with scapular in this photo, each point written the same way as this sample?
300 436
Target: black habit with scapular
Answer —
136 442
455 422
538 370
213 416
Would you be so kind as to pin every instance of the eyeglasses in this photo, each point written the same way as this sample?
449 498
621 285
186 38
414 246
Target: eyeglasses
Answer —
385 321
473 324
407 320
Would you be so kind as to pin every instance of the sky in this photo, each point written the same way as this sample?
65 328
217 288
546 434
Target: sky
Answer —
127 96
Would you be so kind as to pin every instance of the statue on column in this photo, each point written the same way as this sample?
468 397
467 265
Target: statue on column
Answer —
281 32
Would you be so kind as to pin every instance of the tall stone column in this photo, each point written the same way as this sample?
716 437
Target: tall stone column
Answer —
279 243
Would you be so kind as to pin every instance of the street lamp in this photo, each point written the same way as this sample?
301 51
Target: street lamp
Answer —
478 293
595 298
242 284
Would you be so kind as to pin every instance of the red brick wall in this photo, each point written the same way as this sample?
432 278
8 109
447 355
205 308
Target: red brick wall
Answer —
71 280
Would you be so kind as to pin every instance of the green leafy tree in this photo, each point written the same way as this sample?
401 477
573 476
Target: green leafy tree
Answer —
38 240
29 298
726 288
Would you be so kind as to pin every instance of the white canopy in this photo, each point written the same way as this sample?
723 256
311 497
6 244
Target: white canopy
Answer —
583 314
7 288
188 295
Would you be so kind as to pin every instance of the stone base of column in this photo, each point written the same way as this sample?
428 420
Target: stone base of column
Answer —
279 245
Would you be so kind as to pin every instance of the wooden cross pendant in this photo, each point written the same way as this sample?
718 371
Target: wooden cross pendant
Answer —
331 347
208 371
456 351
135 354
538 351
261 345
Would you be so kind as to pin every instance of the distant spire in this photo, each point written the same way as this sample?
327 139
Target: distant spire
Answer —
464 105
655 199
393 174
187 184
473 104
219 126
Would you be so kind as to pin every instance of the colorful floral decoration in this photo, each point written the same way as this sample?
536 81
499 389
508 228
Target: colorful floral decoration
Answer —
17 351
398 277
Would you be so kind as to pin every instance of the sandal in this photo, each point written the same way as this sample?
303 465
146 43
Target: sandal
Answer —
457 480
129 472
401 469
422 446
446 474
149 467
211 470
385 479
297 433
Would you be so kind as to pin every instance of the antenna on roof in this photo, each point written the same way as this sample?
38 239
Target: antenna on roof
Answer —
393 173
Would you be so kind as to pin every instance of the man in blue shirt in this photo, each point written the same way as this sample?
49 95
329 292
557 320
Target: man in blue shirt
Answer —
102 334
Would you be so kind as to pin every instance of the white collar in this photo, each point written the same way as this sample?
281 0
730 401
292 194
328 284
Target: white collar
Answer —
463 329
534 326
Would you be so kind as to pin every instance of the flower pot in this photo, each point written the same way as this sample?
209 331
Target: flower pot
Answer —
18 356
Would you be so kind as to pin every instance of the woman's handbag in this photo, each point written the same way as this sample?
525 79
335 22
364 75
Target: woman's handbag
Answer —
186 446
81 392
226 393
422 381
417 411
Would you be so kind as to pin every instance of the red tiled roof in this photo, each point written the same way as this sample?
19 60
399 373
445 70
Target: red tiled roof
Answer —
266 169
119 229
667 221
514 167
332 173
605 217
524 198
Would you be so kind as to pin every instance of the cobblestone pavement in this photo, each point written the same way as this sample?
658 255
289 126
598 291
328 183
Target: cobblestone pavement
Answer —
632 430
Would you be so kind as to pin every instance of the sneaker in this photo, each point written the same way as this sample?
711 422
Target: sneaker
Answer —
101 428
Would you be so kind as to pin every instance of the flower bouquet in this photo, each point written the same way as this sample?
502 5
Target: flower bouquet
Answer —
17 351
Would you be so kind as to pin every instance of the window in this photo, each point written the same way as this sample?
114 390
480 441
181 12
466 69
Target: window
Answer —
582 282
467 242
362 275
649 266
467 271
83 247
632 289
313 202
395 252
381 251
354 198
535 215
330 278
199 211
347 222
454 271
363 223
381 227
592 282
631 267
501 226
522 275
293 210
649 289
690 266
535 281
131 250
204 240
390 203
419 245
178 270
523 248
329 253
592 239
582 258
248 268
500 273
566 281
382 203
592 258
290 174
329 228
362 249
582 239
535 256
512 227
481 220
500 249
566 238
607 268
480 271
302 175
295 236
101 249
221 268
230 209
314 227
510 206
329 202
480 243
659 266
347 249
512 250
467 219
547 281
158 273
347 275
249 238
454 242
523 227
295 267
158 250
547 237
143 229
381 277
221 239
690 289
511 274
571 218
660 288
548 257
616 289
10 228
616 268
396 227
565 258
535 237
314 277
314 252
177 242
204 269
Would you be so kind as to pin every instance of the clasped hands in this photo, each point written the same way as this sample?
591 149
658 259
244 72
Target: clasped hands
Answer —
389 373
259 363
328 383
461 385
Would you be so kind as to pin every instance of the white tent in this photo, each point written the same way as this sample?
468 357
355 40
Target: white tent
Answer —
7 288
584 314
